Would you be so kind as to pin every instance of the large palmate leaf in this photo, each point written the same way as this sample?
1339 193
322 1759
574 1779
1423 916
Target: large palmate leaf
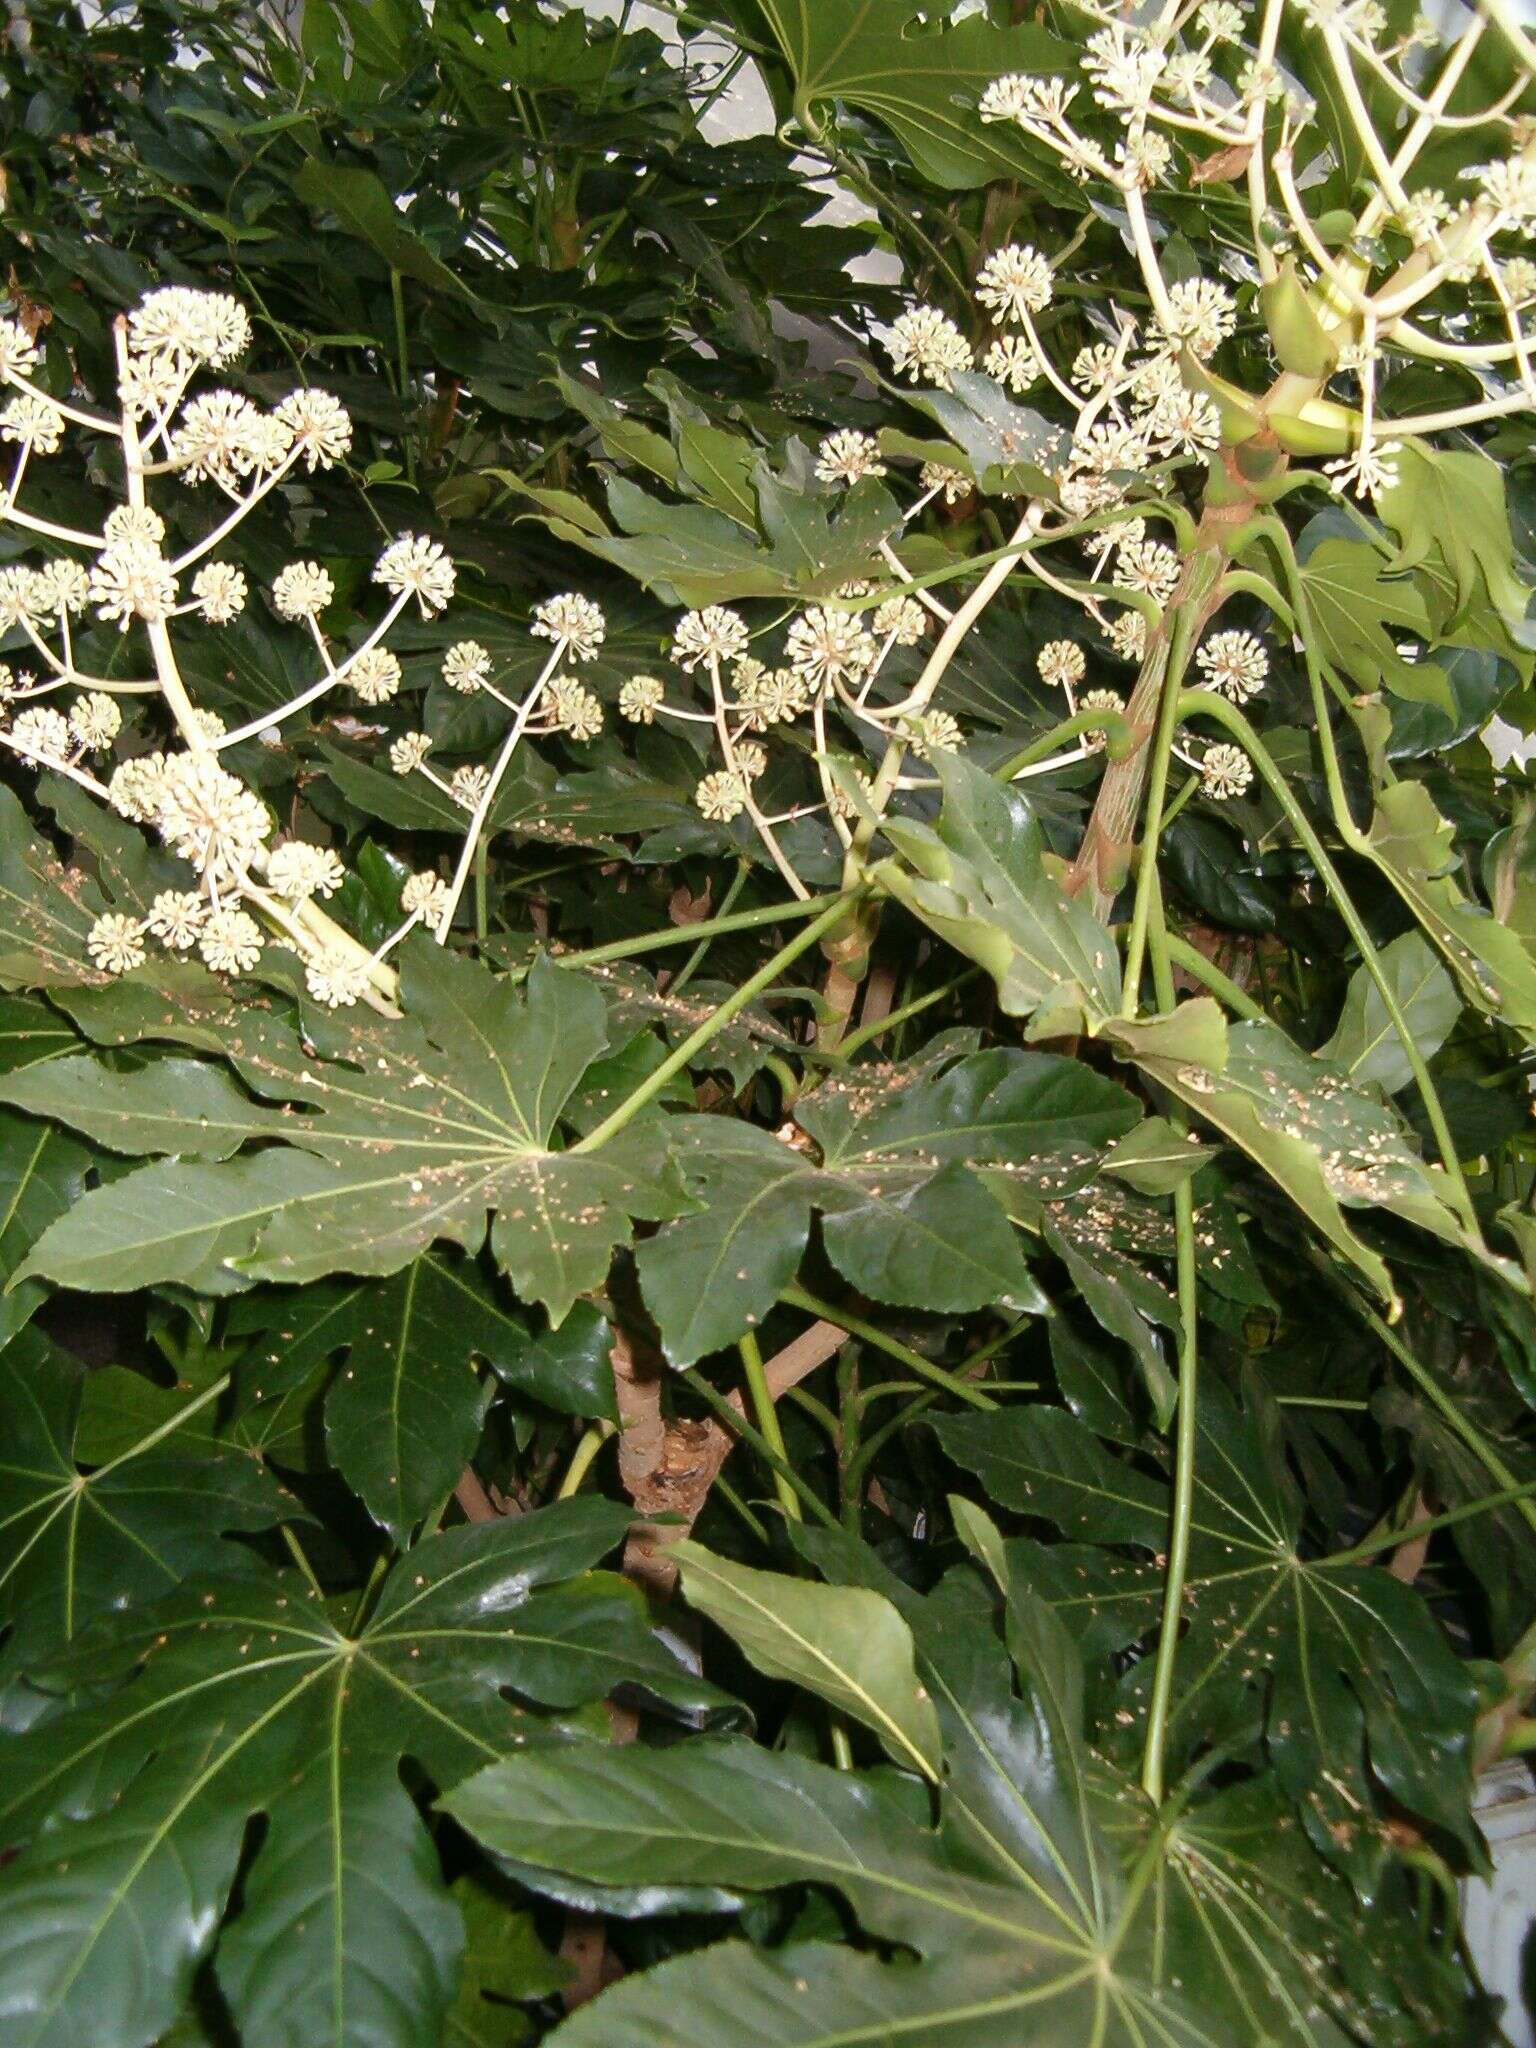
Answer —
1039 1909
75 1544
398 1133
889 61
1415 849
1354 604
1342 1665
256 1697
978 879
901 1184
1365 1042
1330 1144
1448 511
1007 448
404 1412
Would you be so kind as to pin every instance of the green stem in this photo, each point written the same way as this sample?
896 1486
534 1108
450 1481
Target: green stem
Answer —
1157 790
707 928
738 1425
1182 954
1389 1539
695 960
716 1022
1112 724
403 354
1205 703
482 921
1161 1705
761 1397
868 1032
1191 784
796 1296
296 1552
591 1443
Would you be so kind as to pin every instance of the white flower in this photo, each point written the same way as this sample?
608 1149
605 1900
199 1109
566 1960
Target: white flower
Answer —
1234 665
425 895
32 423
930 731
712 635
1096 366
1368 472
95 720
1148 566
721 796
1186 423
1124 69
409 751
1128 636
770 696
1107 445
374 674
137 788
302 590
466 666
468 786
316 425
42 735
133 526
231 942
829 647
926 344
574 710
751 760
847 455
575 622
1143 159
1221 20
220 590
221 436
1186 75
1225 772
1098 700
1425 215
335 978
61 586
418 565
1508 187
210 725
1038 102
1200 316
176 917
132 581
116 943
199 327
953 483
298 871
210 817
18 351
1519 279
1062 663
901 619
1011 361
1015 281
641 698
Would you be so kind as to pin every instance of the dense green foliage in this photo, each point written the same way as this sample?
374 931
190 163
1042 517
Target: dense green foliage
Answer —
1091 1205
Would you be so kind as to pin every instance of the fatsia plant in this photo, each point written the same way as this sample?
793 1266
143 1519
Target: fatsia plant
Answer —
765 1069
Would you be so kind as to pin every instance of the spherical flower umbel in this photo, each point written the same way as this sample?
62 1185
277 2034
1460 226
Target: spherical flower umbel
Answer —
1098 700
409 751
574 709
336 978
1011 361
176 918
137 788
194 327
33 424
466 666
222 437
302 590
1234 665
220 590
641 698
61 586
231 941
317 426
929 731
116 943
1015 282
95 720
210 817
952 484
1199 316
1148 566
1127 635
1062 664
926 346
132 580
425 895
1225 771
418 566
374 674
18 351
133 526
714 634
721 796
826 647
573 621
42 735
468 786
298 871
901 619
848 455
